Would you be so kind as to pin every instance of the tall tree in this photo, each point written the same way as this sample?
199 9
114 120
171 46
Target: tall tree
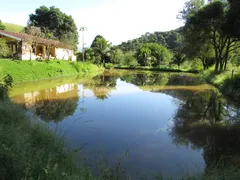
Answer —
190 8
233 18
206 26
178 59
52 19
101 47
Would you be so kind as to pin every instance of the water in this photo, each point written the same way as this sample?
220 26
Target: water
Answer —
153 122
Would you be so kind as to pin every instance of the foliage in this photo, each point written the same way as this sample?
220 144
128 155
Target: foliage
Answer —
95 41
190 8
227 82
5 85
58 23
233 18
144 56
153 54
169 39
22 71
178 59
101 48
129 60
4 50
2 27
207 27
116 55
109 65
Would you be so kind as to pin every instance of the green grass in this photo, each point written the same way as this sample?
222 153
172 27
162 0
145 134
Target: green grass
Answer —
31 151
161 68
225 82
13 27
24 71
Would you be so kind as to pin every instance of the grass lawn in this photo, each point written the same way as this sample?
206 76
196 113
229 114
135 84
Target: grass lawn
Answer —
24 71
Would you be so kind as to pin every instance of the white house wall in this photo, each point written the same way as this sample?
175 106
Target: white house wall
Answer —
27 52
62 54
65 54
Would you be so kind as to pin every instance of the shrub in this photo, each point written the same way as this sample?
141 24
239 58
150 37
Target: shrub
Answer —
129 60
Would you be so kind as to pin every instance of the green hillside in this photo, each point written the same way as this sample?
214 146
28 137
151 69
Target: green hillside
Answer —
13 27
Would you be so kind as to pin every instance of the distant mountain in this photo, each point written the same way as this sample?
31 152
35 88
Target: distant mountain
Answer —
13 27
169 39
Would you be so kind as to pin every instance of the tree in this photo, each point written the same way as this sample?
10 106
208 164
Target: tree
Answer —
169 39
53 20
116 55
207 26
4 50
190 8
178 59
95 40
2 27
153 54
101 47
144 56
200 51
128 60
233 18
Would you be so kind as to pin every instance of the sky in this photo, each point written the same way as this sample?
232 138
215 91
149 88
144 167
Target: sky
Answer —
116 20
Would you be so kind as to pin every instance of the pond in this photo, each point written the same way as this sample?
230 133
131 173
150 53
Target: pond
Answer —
153 122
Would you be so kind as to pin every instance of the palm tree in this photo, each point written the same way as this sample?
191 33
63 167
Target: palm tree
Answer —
102 48
178 59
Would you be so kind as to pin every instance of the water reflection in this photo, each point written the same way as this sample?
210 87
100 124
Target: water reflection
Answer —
52 104
102 86
207 121
184 121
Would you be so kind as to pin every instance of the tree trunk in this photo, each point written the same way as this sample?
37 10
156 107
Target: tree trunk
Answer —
227 53
104 62
216 65
221 65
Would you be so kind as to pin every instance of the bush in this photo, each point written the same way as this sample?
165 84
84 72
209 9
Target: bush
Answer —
4 50
109 65
129 60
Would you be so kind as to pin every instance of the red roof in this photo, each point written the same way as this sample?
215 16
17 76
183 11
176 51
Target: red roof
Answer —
27 37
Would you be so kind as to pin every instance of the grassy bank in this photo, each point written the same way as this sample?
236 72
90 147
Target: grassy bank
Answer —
227 82
163 69
23 71
31 151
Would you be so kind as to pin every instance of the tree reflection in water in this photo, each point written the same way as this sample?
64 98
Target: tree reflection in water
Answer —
51 104
206 120
102 86
56 110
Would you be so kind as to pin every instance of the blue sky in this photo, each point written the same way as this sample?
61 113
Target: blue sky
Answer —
116 20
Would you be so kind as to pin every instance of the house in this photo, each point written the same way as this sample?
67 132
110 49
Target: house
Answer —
29 47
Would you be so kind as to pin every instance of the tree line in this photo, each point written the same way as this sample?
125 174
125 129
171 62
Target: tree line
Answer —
210 36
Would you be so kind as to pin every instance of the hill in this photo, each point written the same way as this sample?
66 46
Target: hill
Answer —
169 39
12 27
